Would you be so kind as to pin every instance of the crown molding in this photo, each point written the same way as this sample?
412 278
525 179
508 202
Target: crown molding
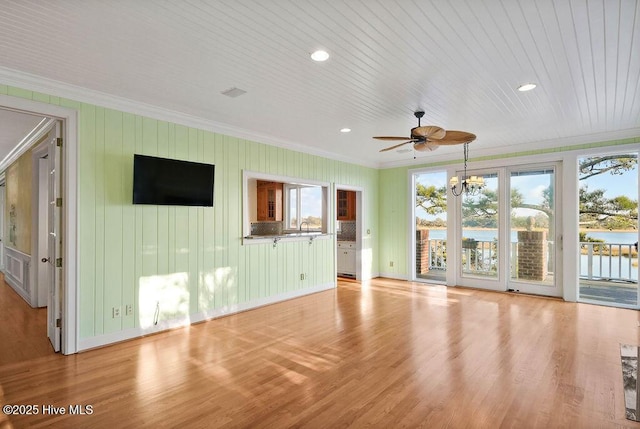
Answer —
39 131
56 88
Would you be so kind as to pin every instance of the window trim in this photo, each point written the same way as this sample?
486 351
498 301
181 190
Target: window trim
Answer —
248 175
287 205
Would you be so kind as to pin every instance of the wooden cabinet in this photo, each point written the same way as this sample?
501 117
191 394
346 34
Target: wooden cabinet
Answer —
346 258
346 205
269 197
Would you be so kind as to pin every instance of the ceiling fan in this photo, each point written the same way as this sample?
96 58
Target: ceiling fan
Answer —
429 137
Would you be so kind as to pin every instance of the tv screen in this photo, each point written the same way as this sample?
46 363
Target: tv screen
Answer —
163 181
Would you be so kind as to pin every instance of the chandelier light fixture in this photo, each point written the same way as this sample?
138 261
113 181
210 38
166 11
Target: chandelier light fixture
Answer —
469 185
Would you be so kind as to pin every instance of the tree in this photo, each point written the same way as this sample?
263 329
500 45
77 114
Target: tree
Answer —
545 207
614 164
620 212
481 210
433 200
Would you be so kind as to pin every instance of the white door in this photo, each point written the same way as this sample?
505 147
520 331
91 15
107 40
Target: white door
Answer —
479 227
54 313
510 231
43 285
535 249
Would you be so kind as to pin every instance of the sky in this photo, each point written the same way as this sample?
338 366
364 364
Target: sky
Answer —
311 202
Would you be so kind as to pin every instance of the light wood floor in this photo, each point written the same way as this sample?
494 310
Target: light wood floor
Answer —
23 330
385 354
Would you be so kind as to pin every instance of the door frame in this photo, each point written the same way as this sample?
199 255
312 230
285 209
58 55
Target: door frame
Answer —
413 227
497 283
71 263
364 256
558 215
3 195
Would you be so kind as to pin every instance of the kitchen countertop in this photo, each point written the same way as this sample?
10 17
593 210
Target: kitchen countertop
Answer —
286 237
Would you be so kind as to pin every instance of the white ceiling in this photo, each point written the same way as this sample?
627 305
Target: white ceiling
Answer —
460 61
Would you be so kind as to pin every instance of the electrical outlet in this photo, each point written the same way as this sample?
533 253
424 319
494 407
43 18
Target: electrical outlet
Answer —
116 312
128 310
391 263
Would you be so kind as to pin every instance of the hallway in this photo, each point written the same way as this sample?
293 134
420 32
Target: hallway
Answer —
23 331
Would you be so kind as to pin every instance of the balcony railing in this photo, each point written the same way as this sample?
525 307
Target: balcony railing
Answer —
607 261
598 261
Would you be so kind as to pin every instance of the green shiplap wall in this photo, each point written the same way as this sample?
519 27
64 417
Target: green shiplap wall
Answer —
394 195
192 257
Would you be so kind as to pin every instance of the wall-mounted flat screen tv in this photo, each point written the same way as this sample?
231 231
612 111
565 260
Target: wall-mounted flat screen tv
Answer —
163 181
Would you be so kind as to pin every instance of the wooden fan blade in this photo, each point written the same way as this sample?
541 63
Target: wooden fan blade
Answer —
457 137
429 132
391 138
425 146
395 146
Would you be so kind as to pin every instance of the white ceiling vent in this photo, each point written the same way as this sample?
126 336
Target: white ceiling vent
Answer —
233 92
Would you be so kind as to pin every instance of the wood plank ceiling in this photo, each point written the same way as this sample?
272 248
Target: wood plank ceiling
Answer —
460 61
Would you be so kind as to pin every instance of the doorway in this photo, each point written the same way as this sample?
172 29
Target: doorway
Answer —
429 237
66 322
353 257
608 229
3 190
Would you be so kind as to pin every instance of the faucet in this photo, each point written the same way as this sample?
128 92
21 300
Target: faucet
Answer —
302 223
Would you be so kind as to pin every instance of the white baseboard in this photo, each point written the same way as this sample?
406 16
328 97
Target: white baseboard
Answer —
16 287
131 333
395 276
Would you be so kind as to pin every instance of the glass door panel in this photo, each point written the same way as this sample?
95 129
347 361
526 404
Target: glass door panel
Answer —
532 234
430 226
480 225
608 225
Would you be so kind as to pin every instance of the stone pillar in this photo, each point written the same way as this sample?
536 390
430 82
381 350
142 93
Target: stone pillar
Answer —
422 251
532 255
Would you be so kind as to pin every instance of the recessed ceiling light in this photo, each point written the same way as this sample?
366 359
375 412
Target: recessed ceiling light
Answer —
526 87
345 130
320 56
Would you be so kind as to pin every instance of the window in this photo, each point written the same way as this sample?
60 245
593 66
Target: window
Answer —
303 207
276 205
